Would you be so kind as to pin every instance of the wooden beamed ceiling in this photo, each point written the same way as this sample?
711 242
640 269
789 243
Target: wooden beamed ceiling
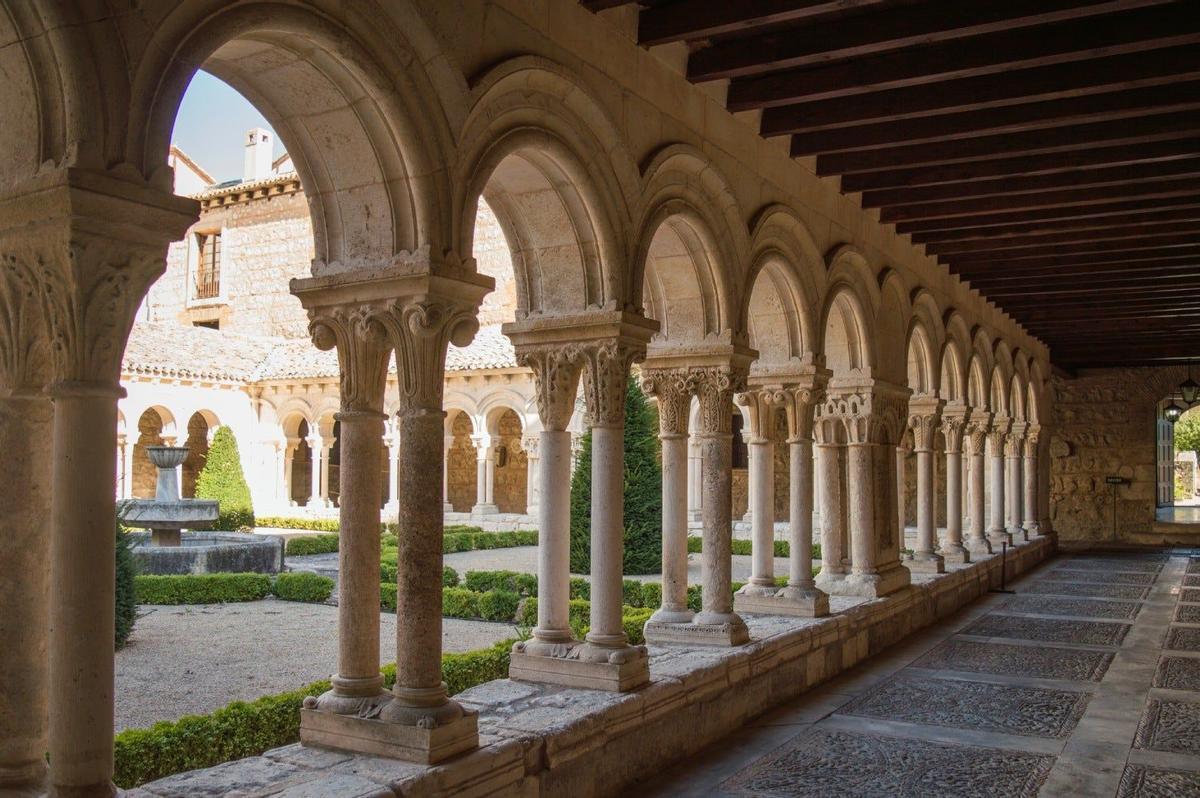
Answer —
1046 151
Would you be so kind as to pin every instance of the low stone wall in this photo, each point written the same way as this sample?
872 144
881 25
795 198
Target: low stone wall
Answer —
209 553
544 740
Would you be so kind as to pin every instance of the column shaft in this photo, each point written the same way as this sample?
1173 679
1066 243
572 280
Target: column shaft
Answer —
608 514
717 513
902 491
800 511
860 481
954 506
26 424
1030 493
554 537
675 464
832 519
315 449
977 538
996 530
82 615
926 537
762 510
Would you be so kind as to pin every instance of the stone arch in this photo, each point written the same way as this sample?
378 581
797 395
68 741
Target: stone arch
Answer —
201 426
351 96
846 332
779 303
924 347
460 460
1035 393
956 357
546 159
156 426
892 323
979 383
1002 372
506 427
690 250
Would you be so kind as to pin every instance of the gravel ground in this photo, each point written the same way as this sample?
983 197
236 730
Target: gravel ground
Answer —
523 559
185 660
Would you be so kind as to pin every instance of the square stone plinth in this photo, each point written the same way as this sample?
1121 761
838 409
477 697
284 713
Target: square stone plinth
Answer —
814 605
887 580
615 677
391 740
935 564
696 634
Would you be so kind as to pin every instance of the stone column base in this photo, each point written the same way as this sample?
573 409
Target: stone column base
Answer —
799 602
926 564
485 509
997 537
628 669
392 740
888 579
979 547
697 634
955 555
1018 534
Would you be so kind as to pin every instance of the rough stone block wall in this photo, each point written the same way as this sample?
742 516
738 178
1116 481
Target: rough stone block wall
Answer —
461 465
145 475
511 484
197 443
1104 424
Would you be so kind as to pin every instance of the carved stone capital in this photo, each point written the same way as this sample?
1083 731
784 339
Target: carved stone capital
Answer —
530 444
1014 444
870 413
924 418
998 433
363 349
606 378
556 370
24 344
800 401
1032 435
761 404
672 388
953 426
715 387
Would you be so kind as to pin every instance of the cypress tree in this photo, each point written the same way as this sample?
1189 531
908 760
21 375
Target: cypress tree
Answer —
222 479
643 492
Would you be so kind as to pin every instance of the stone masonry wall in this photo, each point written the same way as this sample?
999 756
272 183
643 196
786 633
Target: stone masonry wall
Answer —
1105 425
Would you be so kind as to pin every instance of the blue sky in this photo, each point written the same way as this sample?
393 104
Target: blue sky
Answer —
210 125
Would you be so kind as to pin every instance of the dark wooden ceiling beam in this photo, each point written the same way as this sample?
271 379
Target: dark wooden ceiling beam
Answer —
999 232
983 220
1020 184
888 29
1133 131
1115 234
1103 156
1007 52
995 287
700 19
1183 248
1108 256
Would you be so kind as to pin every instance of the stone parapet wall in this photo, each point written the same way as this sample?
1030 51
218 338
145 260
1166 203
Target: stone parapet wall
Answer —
544 740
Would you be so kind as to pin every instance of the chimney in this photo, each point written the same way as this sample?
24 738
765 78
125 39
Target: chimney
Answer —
259 147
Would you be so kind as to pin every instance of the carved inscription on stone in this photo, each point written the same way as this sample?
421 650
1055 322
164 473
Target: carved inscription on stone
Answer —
1037 662
1139 781
839 763
1092 589
1183 638
1094 633
1099 577
1170 726
1178 673
1030 711
1080 608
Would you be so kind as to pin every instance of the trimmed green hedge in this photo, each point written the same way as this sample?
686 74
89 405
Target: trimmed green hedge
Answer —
483 581
222 479
244 729
201 588
782 547
317 544
303 586
313 524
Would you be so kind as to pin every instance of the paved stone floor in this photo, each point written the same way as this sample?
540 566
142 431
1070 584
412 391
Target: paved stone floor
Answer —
186 660
1086 682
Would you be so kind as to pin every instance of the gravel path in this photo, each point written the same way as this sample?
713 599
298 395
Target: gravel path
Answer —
185 660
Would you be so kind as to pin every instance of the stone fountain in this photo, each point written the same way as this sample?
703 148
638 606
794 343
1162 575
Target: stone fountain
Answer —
166 550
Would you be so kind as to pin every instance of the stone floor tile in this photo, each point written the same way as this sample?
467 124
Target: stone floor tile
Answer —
1074 607
1006 709
840 763
1088 589
1183 638
1096 633
1188 613
341 785
1116 564
1067 574
1139 781
1178 673
1041 662
1170 726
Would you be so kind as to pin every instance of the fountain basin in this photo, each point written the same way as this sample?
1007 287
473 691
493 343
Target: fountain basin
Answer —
209 553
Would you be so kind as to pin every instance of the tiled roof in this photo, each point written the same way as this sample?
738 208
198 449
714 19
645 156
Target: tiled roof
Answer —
173 350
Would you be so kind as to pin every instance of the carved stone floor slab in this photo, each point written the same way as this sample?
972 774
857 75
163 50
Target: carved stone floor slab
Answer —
1094 633
1068 574
1080 608
1192 595
1116 565
1178 673
1187 613
1191 580
1194 567
1005 659
1139 781
1183 638
1007 709
1090 589
1172 726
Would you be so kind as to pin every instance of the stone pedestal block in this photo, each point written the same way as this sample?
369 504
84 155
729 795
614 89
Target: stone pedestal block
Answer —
887 580
733 633
392 740
627 670
955 554
926 564
790 601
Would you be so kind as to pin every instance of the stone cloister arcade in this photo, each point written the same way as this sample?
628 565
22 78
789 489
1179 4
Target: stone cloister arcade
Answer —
735 278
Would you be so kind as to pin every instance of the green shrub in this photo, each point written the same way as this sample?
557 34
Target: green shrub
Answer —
694 598
634 622
126 595
449 576
201 588
387 572
389 541
302 586
317 544
581 588
499 605
312 524
222 479
651 595
483 581
387 596
244 729
460 603
642 492
782 547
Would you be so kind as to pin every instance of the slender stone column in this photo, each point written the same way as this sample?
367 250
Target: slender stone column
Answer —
315 447
976 440
26 427
953 423
832 517
695 489
447 445
556 376
902 452
673 390
1014 445
485 475
923 421
1029 492
326 458
363 351
289 463
532 460
761 404
123 452
996 532
393 450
